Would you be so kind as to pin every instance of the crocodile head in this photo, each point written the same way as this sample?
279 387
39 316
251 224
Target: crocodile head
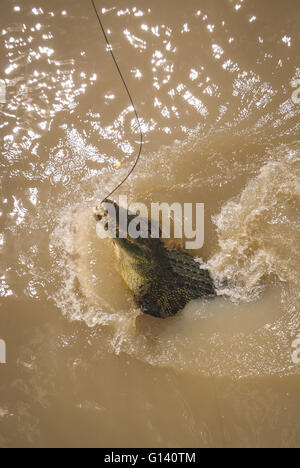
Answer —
116 221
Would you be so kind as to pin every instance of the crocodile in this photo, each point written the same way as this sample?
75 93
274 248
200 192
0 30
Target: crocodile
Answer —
161 281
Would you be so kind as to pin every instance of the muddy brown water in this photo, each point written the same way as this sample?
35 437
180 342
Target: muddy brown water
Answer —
213 83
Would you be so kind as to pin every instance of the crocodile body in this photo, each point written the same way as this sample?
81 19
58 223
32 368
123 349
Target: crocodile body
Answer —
161 281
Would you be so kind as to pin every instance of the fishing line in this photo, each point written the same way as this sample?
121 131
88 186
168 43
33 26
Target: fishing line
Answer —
131 101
